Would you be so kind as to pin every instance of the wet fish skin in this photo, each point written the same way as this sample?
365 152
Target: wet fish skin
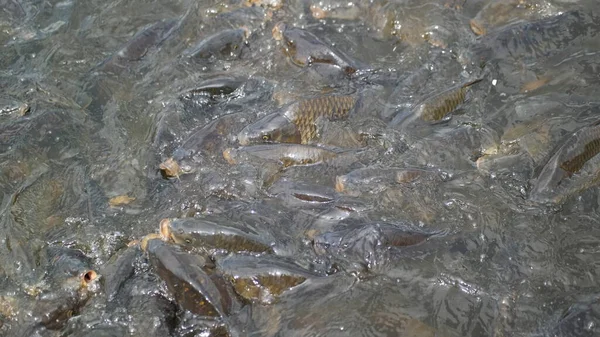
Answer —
304 48
226 44
573 168
296 123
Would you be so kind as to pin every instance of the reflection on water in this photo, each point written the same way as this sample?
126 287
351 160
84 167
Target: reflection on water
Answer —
404 168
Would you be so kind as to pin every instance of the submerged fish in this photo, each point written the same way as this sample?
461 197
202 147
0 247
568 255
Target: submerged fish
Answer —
573 168
297 122
435 108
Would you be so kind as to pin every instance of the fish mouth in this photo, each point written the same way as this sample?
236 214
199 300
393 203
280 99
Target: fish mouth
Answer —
165 229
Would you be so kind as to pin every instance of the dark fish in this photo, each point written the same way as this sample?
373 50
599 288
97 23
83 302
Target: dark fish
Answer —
435 108
296 123
573 168
227 44
207 236
192 287
304 49
284 154
135 50
263 278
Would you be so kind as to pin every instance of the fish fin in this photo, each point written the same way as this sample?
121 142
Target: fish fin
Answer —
468 84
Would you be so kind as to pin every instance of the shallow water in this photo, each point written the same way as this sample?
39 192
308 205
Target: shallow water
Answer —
95 95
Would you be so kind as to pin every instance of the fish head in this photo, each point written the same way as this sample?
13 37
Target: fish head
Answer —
273 128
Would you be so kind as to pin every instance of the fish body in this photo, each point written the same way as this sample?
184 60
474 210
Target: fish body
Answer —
297 122
574 167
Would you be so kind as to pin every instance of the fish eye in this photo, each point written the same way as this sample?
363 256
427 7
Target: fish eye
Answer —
266 137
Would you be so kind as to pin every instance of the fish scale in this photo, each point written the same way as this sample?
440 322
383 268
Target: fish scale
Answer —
308 111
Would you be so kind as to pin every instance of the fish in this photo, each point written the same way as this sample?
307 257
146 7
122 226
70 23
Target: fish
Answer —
573 168
147 38
436 108
303 49
373 180
206 235
285 155
227 44
263 279
528 41
193 288
297 122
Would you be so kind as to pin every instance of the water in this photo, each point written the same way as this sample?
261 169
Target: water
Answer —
95 95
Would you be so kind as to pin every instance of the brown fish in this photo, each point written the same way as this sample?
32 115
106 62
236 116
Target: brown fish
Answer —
297 122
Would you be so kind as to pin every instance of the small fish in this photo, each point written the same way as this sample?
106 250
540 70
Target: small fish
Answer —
297 122
573 168
437 107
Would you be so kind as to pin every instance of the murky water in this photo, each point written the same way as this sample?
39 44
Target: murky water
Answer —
299 168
